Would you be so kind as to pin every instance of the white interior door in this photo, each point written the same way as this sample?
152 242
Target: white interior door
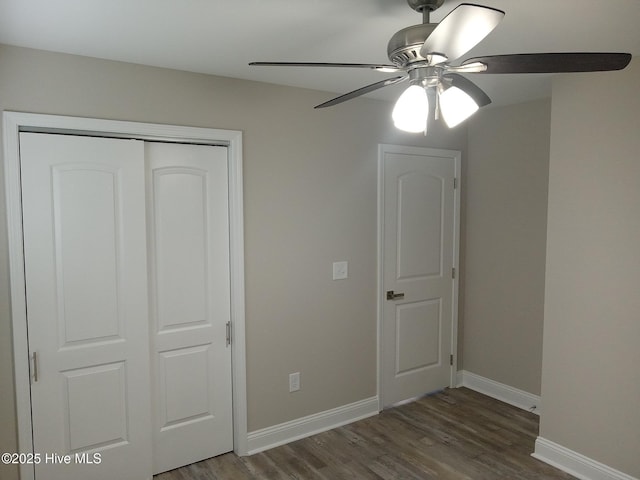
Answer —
86 289
188 218
417 277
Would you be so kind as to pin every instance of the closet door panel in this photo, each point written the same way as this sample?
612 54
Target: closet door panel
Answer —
188 216
87 314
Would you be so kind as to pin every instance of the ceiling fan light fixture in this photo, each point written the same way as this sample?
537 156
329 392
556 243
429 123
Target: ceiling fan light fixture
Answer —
456 106
411 110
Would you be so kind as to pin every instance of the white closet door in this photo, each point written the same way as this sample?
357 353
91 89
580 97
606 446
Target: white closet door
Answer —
188 216
86 289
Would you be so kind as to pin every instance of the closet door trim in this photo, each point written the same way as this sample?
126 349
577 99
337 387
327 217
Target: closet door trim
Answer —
16 122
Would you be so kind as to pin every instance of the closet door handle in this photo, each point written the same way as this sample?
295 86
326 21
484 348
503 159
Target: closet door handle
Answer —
34 356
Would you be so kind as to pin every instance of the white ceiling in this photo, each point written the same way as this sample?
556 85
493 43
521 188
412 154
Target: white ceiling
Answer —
221 37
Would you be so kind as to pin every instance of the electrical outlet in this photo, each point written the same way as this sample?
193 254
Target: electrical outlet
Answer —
294 382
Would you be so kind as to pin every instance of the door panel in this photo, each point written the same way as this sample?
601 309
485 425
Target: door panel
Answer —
84 388
418 328
179 196
186 397
86 289
190 302
419 220
418 253
84 233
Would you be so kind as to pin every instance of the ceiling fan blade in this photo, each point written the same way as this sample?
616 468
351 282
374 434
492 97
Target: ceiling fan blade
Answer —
551 62
470 88
362 91
372 66
460 31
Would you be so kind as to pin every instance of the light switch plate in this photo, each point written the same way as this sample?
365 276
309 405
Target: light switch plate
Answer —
294 382
340 270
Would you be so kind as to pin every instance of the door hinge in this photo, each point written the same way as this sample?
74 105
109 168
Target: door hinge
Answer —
453 272
451 359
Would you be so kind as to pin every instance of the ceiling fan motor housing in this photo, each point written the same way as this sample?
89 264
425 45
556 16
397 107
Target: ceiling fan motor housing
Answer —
404 47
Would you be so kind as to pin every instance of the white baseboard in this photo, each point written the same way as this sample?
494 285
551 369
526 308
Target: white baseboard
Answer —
500 391
266 438
574 463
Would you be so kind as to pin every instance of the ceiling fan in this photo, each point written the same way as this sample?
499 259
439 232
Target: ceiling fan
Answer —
424 54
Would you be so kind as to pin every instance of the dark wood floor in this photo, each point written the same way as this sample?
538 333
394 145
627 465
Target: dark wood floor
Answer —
455 434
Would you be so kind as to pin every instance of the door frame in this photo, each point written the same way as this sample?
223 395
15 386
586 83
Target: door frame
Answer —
455 157
16 122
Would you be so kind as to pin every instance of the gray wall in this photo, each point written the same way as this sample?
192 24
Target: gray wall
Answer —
310 180
505 243
590 376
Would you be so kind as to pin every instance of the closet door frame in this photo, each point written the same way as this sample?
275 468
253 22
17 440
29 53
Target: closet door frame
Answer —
16 122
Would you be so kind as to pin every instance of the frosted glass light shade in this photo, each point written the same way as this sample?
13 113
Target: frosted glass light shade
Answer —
456 106
412 110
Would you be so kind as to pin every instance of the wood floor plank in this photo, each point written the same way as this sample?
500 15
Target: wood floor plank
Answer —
457 434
